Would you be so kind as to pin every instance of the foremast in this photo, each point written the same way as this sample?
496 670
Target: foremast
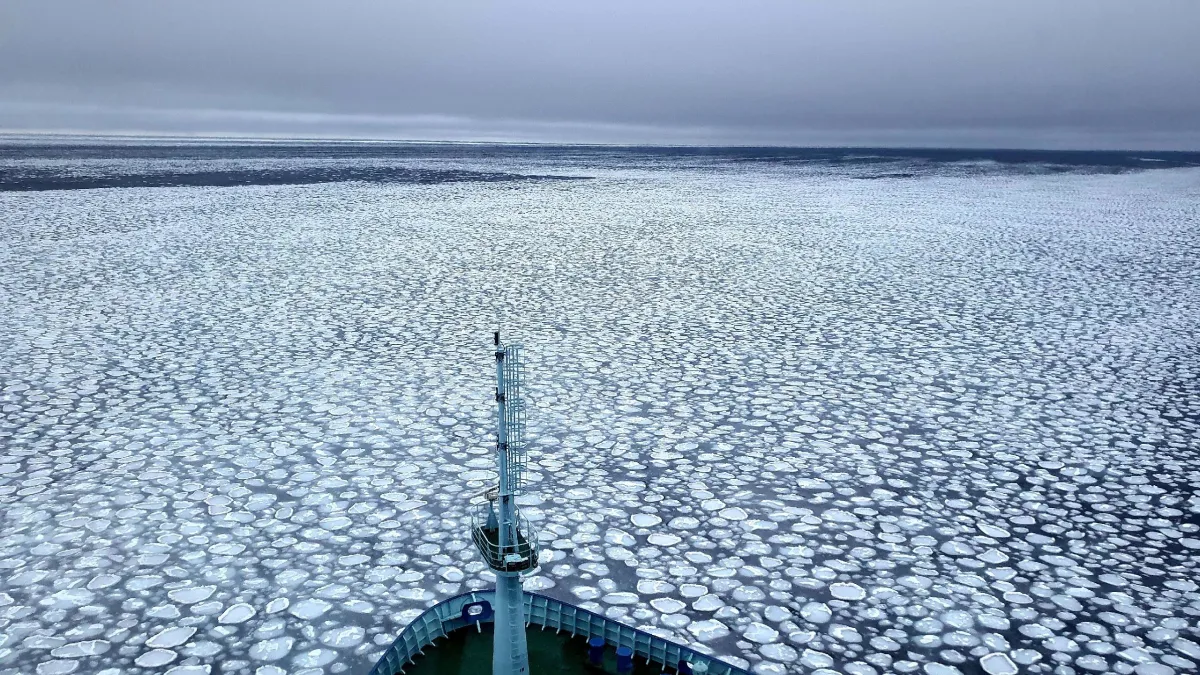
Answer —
505 539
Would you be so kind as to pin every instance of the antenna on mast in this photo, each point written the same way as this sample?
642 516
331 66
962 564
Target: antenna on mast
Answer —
505 539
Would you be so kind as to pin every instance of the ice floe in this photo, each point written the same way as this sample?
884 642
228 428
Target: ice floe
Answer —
931 425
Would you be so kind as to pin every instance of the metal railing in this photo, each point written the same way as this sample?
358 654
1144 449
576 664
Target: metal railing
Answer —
458 612
515 557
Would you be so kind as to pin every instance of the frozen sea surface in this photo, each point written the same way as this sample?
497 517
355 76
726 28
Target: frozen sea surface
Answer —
943 421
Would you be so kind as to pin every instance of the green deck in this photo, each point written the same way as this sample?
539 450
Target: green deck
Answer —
468 652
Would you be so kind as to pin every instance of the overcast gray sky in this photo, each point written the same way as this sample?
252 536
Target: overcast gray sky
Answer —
1045 73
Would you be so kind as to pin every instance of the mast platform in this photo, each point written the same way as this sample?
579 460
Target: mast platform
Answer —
519 557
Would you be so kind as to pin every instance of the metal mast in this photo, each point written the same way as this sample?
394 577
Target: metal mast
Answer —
505 540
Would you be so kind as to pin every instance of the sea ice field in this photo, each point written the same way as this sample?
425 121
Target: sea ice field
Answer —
815 412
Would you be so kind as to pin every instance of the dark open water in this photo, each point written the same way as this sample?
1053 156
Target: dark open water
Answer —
73 166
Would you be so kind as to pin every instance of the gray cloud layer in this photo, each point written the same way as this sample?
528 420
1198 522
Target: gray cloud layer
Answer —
1094 73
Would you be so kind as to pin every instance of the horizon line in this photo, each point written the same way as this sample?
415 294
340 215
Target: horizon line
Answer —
199 138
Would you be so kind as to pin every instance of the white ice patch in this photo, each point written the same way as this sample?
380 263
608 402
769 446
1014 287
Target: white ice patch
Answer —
847 591
192 594
309 609
816 612
238 613
998 664
760 633
708 630
171 637
344 637
271 650
645 519
155 658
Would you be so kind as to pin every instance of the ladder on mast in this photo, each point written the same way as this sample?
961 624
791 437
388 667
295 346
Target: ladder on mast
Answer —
504 538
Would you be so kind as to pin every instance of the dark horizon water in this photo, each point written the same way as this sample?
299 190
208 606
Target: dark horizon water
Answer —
37 166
